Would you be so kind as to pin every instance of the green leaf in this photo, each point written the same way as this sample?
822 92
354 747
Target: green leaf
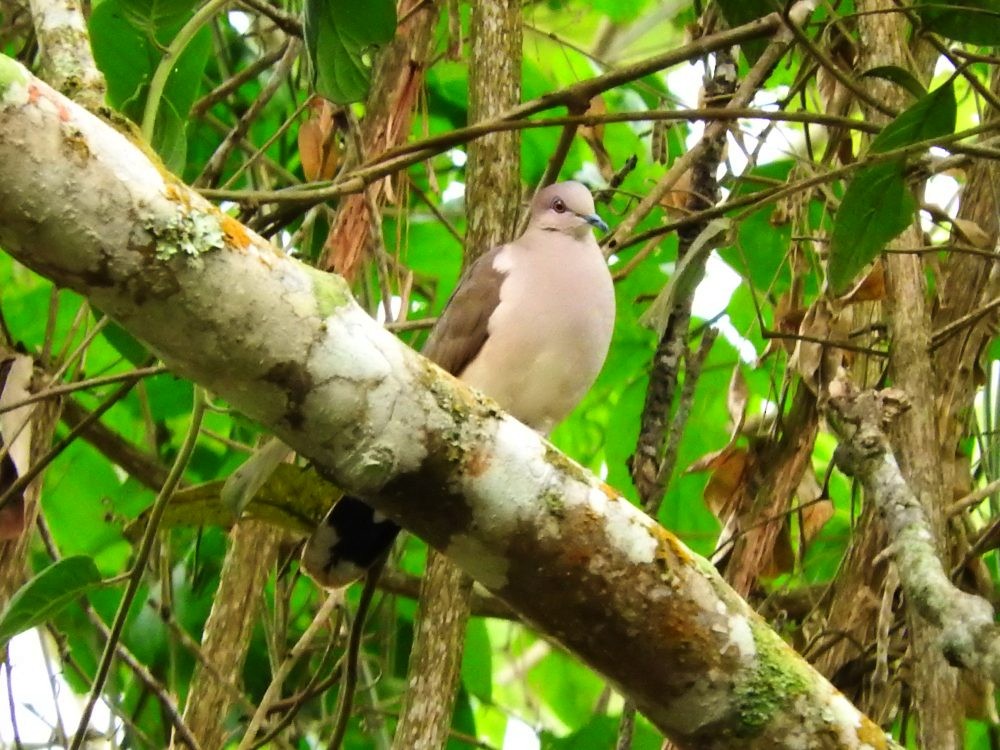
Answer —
759 253
620 11
972 21
125 344
739 12
932 116
876 207
341 37
900 76
169 136
601 731
128 38
47 593
477 661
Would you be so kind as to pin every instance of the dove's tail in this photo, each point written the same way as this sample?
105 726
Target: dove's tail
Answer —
349 541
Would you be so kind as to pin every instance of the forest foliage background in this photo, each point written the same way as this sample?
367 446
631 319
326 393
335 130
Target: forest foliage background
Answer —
811 194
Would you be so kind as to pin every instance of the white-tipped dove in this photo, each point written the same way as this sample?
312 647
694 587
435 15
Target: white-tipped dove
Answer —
528 325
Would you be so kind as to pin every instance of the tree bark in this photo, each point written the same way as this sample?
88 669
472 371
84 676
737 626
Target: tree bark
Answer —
883 37
82 205
396 83
492 195
236 607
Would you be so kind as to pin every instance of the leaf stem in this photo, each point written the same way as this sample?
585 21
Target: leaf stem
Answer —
158 83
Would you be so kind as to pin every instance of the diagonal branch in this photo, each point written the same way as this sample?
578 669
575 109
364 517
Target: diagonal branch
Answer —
565 550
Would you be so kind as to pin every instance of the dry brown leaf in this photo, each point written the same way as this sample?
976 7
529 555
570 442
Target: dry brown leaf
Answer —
319 144
594 136
728 471
782 555
808 355
708 461
676 199
15 434
814 517
658 148
841 51
870 289
736 399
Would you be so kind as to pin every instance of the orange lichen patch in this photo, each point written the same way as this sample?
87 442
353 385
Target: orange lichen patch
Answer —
476 463
176 193
235 233
609 492
870 734
39 90
669 545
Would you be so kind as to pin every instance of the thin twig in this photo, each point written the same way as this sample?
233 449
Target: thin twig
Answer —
973 498
349 685
82 385
139 565
232 83
36 468
333 600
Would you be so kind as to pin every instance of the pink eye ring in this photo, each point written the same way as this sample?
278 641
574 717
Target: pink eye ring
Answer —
558 206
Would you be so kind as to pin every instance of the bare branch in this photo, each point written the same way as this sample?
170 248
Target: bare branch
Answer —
969 635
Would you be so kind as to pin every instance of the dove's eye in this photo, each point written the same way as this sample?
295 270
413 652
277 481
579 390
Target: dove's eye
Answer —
558 206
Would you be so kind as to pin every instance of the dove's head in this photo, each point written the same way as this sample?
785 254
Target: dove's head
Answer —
566 207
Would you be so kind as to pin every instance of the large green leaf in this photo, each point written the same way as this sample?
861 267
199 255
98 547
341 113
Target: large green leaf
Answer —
602 731
877 206
125 343
739 12
44 595
620 11
972 21
900 76
341 39
128 38
932 116
477 661
761 246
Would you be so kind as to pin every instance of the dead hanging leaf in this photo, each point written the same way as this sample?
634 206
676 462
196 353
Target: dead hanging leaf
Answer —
454 52
781 214
782 555
870 289
788 317
594 136
736 399
658 148
814 509
728 467
676 199
816 356
319 142
842 53
597 108
815 517
787 320
15 440
973 233
808 354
